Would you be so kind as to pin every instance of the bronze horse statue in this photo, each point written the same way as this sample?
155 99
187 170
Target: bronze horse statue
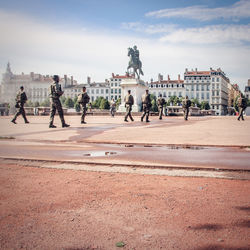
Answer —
134 63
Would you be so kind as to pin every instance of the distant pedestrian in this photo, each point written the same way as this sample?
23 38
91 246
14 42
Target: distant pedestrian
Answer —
186 103
242 104
112 107
146 105
129 102
161 102
21 98
83 100
55 91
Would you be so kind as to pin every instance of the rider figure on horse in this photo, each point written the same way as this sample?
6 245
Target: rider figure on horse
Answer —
135 62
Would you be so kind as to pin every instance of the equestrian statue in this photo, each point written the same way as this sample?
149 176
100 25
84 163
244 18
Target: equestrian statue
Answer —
134 62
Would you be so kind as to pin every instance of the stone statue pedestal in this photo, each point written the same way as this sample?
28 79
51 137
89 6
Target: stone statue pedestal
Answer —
137 88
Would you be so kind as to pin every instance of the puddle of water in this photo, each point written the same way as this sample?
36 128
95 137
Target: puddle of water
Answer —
99 153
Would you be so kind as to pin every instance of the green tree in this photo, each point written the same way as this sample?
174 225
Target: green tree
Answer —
36 104
118 102
97 102
205 105
45 103
235 103
29 103
154 106
195 102
77 106
174 100
104 104
63 99
69 103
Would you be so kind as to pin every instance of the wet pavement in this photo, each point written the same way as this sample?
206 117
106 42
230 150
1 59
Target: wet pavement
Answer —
110 141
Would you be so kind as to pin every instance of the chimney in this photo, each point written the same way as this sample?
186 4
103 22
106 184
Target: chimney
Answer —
32 75
168 78
211 69
113 75
186 70
71 80
196 70
89 79
179 78
248 82
151 80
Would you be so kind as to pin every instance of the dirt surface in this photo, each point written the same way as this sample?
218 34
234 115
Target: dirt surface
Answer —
65 209
102 199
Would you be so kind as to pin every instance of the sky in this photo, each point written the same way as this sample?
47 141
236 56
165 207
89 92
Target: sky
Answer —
91 37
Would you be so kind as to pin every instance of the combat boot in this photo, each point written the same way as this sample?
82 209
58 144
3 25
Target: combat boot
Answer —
52 126
65 125
83 122
13 121
27 121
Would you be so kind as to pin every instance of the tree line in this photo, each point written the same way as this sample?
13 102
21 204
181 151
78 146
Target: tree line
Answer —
104 104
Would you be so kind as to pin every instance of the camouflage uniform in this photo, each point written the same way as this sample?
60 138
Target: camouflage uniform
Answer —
146 105
55 91
186 103
83 102
161 102
112 108
21 98
242 106
129 101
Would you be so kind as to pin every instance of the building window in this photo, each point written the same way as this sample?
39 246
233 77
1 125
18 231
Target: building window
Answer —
202 87
102 91
112 84
202 96
197 95
217 79
180 95
169 94
120 91
115 91
212 79
164 94
97 91
92 91
207 87
192 87
208 96
112 91
107 91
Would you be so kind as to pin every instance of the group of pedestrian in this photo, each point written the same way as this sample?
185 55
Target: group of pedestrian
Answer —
147 104
55 91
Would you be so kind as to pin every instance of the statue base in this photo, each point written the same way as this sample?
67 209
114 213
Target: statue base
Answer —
137 87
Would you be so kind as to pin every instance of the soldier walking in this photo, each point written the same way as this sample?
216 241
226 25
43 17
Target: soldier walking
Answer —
161 102
112 107
55 91
146 105
21 98
242 104
83 100
129 102
186 103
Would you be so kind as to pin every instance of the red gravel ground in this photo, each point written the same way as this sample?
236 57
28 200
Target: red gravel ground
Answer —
65 209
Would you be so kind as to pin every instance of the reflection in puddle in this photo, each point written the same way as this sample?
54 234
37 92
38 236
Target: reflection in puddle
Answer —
164 147
99 153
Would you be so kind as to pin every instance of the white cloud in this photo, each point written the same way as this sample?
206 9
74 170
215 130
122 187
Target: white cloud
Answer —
32 46
149 29
240 9
217 34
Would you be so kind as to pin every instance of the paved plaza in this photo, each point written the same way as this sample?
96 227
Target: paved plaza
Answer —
167 184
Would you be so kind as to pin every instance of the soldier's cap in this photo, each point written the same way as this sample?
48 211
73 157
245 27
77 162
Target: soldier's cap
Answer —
21 87
55 77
